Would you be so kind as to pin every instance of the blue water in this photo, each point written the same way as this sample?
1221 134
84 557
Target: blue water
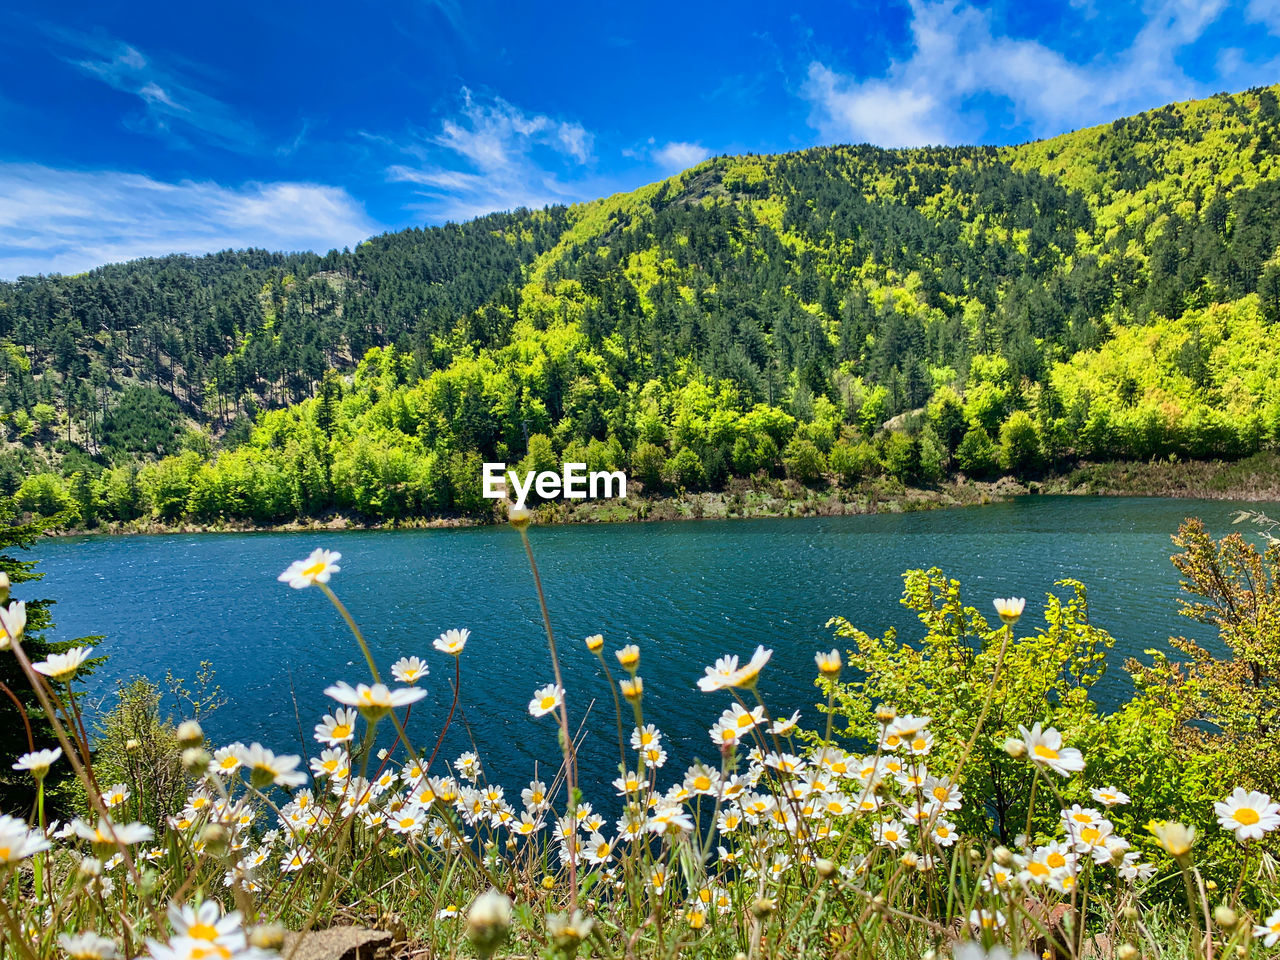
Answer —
686 592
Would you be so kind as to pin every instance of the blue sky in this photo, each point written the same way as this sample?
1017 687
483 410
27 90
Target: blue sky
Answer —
138 128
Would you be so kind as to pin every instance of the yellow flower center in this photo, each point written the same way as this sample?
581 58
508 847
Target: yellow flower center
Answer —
1045 753
1037 869
314 570
702 783
547 702
341 731
1090 834
1082 818
892 740
941 793
407 822
202 931
6 854
1247 816
1056 860
919 743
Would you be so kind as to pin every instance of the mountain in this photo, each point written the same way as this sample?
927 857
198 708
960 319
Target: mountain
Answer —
1109 293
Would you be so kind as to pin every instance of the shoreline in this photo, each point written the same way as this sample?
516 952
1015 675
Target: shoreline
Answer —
1256 479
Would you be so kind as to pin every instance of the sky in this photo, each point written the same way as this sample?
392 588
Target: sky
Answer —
137 128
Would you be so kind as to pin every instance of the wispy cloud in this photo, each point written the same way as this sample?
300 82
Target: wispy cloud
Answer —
66 221
678 155
492 155
959 58
172 106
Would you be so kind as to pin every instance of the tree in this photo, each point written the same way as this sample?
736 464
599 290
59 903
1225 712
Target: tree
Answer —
977 456
852 462
804 462
1020 452
684 470
647 464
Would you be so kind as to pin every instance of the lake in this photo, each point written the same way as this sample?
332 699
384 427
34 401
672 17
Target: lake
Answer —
686 592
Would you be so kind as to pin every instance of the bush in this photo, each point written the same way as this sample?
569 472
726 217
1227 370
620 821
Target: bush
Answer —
135 746
852 462
684 471
804 462
977 456
44 495
1020 451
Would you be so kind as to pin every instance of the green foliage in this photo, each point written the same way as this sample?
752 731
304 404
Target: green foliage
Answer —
1020 452
1110 291
854 461
1227 706
135 745
977 455
1045 675
804 462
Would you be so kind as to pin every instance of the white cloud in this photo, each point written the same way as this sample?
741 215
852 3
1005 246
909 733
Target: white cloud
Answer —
679 155
958 57
66 221
1266 12
172 106
494 156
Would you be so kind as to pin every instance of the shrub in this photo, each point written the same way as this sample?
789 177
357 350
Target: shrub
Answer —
804 462
976 455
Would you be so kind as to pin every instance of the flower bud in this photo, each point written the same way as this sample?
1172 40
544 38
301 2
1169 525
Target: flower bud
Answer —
1127 951
89 868
267 936
762 907
826 868
488 921
132 744
190 734
829 664
1003 856
1130 913
595 642
520 517
217 839
4 587
1225 917
196 760
885 714
632 689
1015 748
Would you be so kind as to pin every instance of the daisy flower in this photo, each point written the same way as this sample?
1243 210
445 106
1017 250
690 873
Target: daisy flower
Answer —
719 676
87 946
38 762
409 670
226 760
1045 749
595 642
62 667
265 767
892 834
116 794
17 842
13 620
546 699
1109 796
628 657
374 701
1249 813
336 728
829 664
747 675
207 922
1009 608
786 726
295 859
317 568
1268 930
986 919
447 913
108 834
452 641
632 690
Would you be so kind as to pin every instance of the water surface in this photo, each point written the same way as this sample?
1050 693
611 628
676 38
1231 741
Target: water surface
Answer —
686 592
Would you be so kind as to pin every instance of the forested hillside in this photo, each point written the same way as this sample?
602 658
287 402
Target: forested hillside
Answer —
1110 293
